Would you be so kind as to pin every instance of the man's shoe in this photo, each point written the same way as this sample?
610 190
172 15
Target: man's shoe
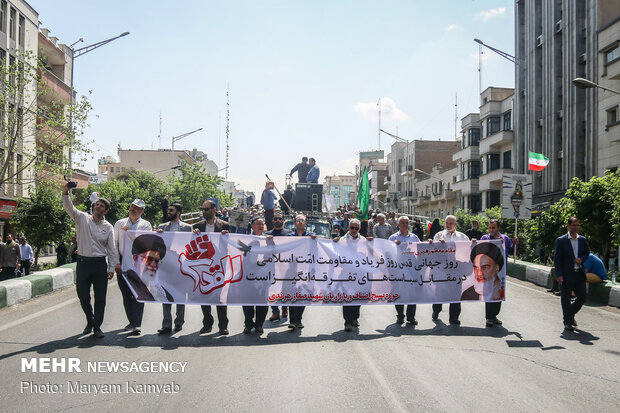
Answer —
435 316
98 334
496 321
285 312
400 319
223 332
247 330
569 327
291 326
574 323
413 322
274 318
205 330
558 293
455 321
163 331
299 325
88 329
259 330
128 327
348 327
178 328
135 331
489 322
355 323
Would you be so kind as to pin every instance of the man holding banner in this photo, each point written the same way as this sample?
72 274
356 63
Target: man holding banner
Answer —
403 236
173 225
210 223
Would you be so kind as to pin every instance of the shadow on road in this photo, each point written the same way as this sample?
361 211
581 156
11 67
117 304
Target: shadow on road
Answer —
583 337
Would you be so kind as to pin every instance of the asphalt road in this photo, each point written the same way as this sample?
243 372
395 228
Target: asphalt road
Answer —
528 364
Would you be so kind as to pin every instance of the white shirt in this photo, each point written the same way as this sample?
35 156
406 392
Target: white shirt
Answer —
574 242
139 225
210 227
96 239
450 236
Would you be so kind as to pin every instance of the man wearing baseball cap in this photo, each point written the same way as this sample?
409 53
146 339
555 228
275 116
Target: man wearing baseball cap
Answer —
134 222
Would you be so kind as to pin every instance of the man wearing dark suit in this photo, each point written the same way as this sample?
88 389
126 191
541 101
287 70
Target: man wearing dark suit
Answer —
211 223
571 250
174 224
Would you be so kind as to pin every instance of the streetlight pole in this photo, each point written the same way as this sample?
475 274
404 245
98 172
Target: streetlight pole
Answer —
503 54
399 139
587 84
75 53
178 138
445 185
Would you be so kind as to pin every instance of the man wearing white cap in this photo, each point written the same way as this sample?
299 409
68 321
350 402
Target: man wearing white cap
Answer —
134 222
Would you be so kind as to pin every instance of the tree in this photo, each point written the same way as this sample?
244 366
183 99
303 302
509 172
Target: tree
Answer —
37 124
42 218
122 190
195 185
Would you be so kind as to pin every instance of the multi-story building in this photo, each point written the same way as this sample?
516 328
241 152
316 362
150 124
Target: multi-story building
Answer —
608 28
404 159
434 196
159 162
377 174
486 151
556 42
340 186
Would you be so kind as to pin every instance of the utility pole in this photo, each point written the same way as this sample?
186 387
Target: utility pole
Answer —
227 127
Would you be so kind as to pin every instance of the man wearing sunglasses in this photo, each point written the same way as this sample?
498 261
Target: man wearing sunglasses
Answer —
134 222
351 313
174 224
300 231
404 236
278 231
210 223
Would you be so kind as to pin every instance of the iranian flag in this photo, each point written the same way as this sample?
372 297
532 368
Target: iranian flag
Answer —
537 161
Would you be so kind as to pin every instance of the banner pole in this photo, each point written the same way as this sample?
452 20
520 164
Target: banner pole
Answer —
514 257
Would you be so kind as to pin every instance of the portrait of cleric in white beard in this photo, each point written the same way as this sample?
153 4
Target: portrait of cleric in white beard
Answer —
487 260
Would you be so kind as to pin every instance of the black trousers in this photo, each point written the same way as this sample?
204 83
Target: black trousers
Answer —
454 311
207 318
295 313
261 314
179 319
400 311
491 310
25 267
92 271
576 283
133 309
350 313
7 273
269 219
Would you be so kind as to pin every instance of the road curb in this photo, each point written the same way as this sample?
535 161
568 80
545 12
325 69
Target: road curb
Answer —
21 289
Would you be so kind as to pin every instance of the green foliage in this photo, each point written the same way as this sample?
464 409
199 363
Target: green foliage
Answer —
195 185
42 218
32 112
122 190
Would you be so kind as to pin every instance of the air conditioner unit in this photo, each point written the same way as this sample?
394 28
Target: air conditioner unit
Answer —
539 41
560 114
582 58
560 154
558 26
540 122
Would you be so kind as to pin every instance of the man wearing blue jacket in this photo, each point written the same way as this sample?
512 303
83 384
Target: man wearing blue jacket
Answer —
571 251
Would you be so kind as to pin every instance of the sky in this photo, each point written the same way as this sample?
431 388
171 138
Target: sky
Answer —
304 77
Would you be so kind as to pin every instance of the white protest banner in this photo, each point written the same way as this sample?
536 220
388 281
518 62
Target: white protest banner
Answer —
235 269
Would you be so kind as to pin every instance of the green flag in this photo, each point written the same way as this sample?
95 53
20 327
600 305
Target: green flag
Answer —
363 196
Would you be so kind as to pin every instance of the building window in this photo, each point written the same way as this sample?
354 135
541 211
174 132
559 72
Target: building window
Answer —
3 16
612 117
492 162
472 138
12 17
493 125
508 159
475 203
612 55
507 125
493 199
21 30
474 169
